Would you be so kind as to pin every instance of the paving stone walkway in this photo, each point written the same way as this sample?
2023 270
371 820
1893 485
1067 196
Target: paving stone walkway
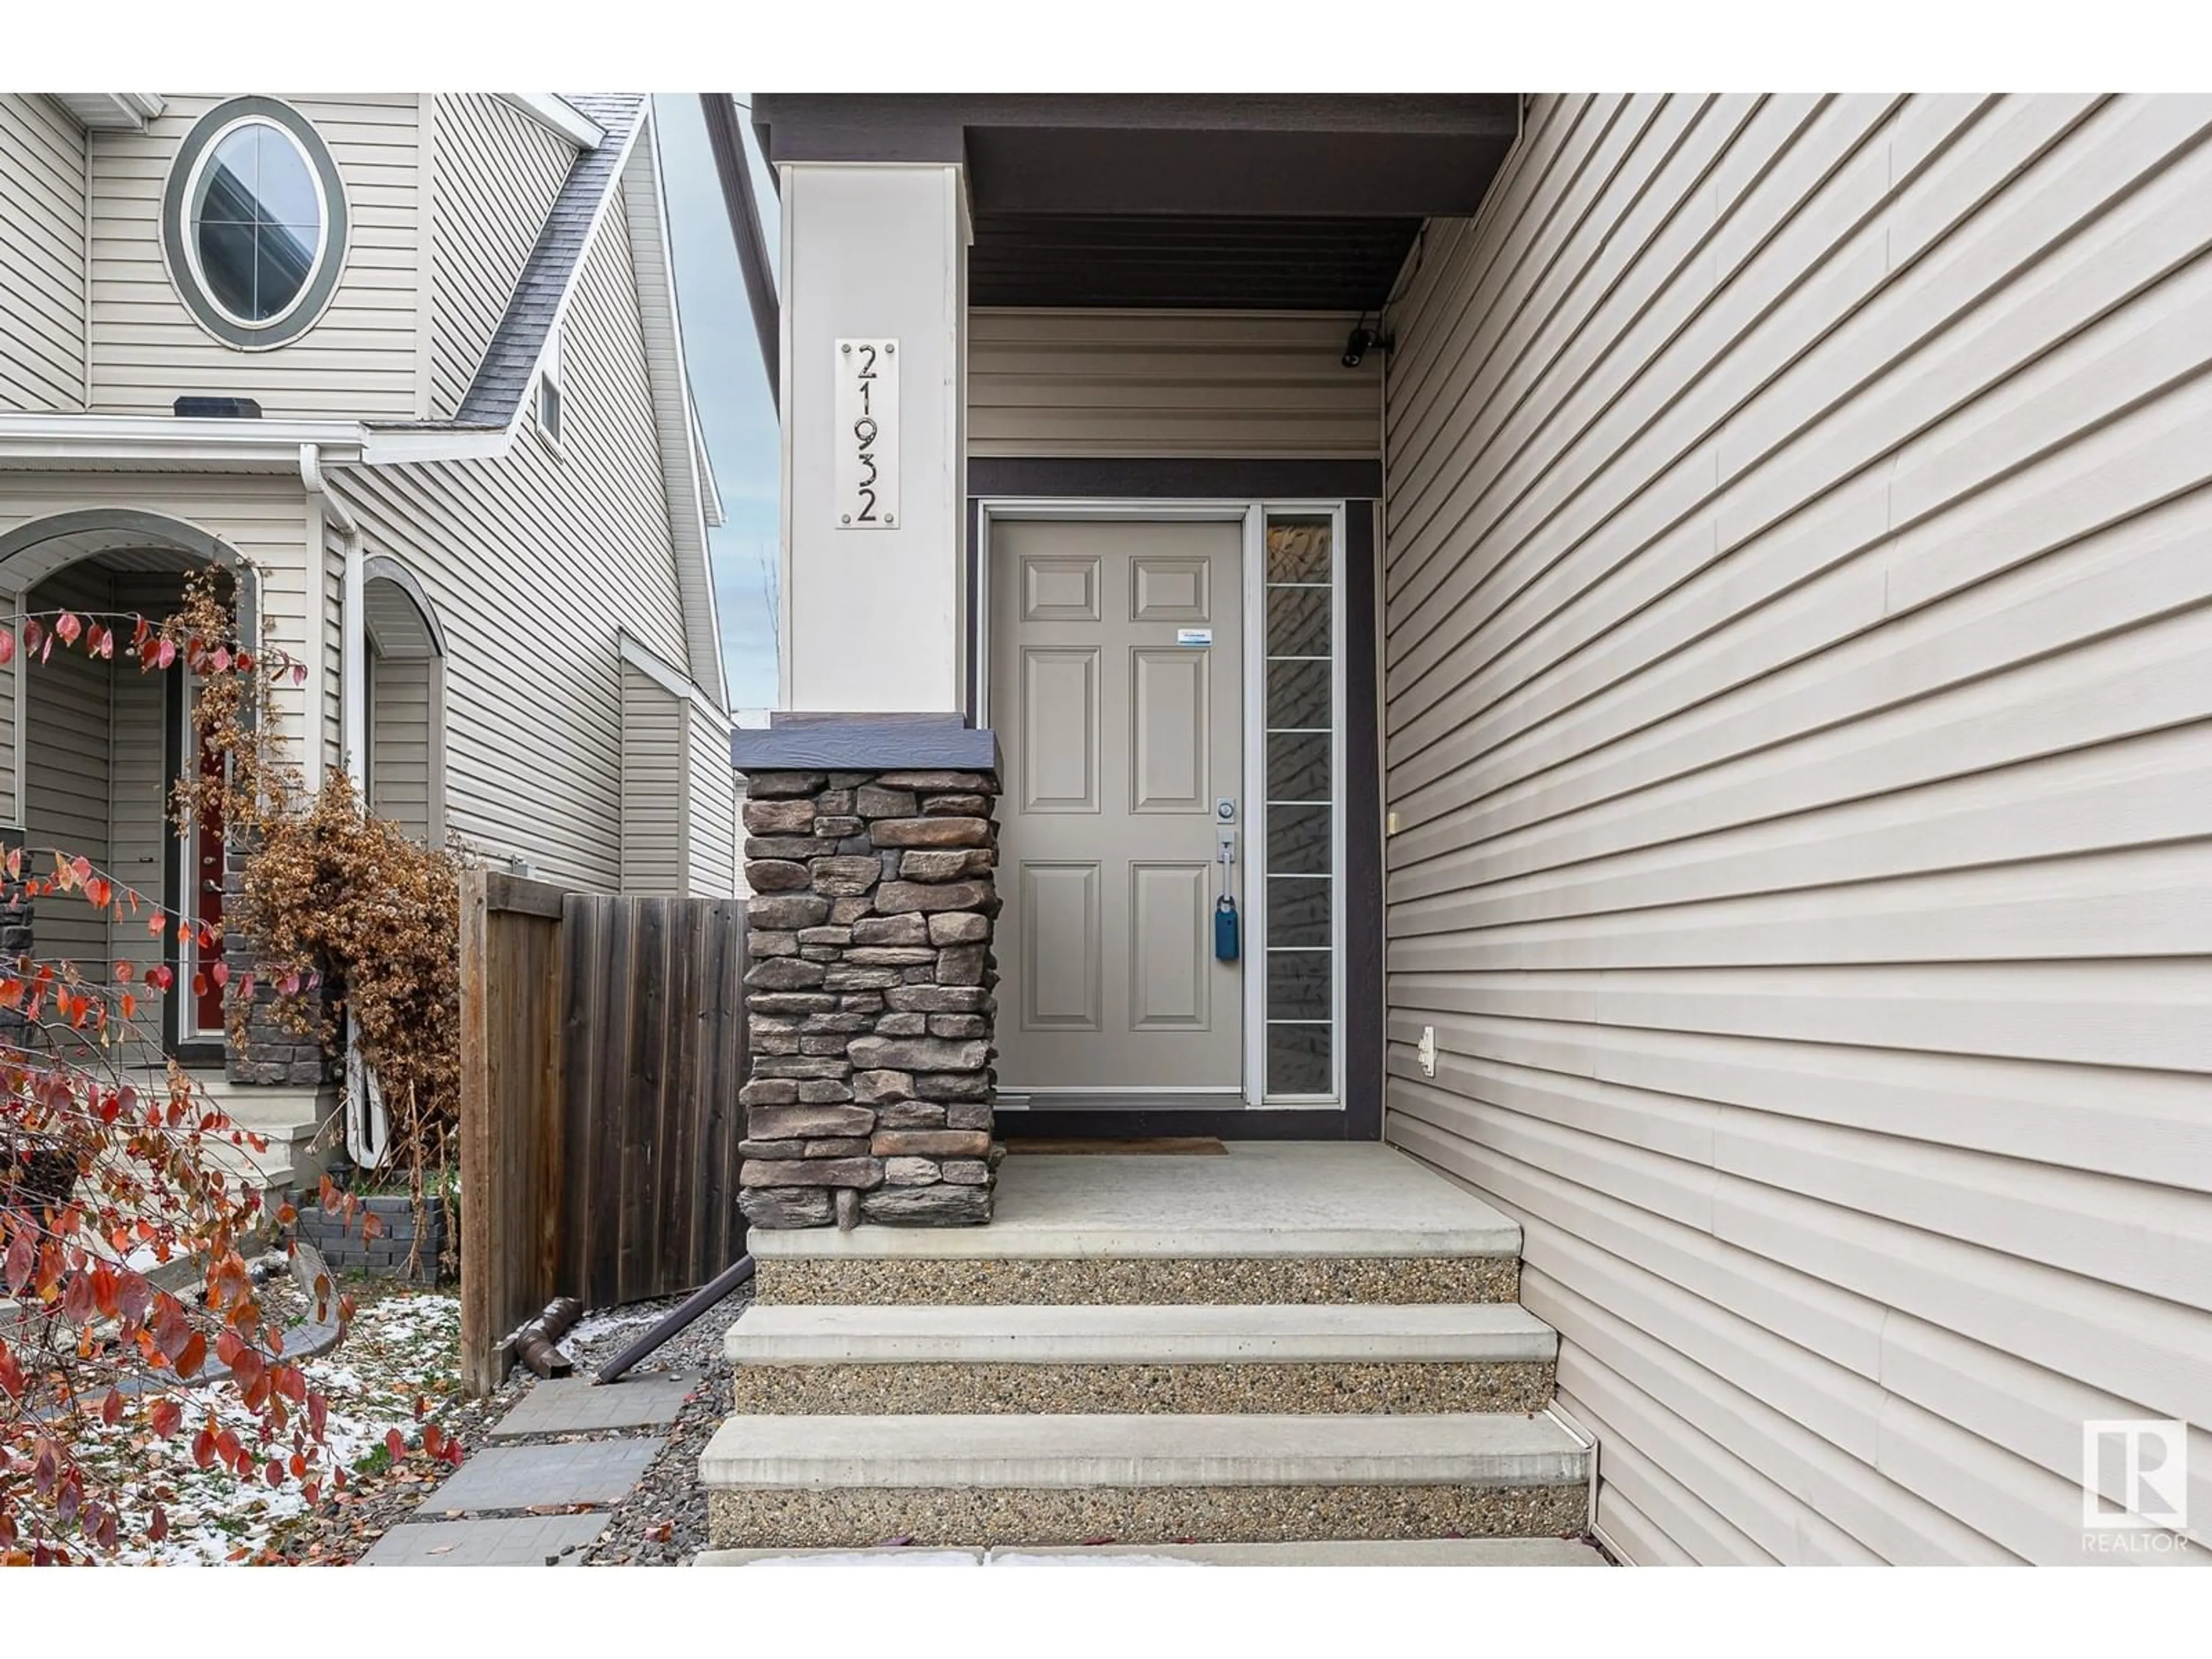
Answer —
570 1451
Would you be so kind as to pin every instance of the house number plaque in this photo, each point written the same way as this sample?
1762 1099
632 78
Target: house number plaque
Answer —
867 447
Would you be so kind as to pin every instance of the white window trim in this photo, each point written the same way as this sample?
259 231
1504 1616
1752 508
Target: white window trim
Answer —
189 240
549 378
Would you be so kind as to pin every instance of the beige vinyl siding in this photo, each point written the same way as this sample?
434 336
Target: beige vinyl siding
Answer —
69 770
1213 383
532 561
1796 722
652 786
359 360
495 173
139 777
42 207
403 743
710 815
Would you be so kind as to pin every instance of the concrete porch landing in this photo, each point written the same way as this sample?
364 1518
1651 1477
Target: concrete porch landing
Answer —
1259 1198
1266 1222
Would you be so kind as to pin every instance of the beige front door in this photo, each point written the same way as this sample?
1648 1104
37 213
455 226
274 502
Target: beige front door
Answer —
1117 693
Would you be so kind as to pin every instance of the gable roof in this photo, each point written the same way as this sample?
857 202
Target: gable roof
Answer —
503 377
627 161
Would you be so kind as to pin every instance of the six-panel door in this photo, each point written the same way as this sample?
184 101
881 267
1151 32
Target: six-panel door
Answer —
1117 693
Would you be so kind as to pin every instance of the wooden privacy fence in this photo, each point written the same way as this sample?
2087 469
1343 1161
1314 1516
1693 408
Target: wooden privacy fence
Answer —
602 1050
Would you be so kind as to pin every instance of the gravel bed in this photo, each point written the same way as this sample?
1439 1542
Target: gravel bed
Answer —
663 1523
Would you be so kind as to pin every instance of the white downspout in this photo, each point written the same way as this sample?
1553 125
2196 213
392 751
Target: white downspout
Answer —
366 1129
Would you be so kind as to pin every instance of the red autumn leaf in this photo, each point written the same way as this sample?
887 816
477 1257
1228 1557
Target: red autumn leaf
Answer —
111 1409
123 971
33 633
204 1447
7 646
395 1443
68 627
273 1472
157 924
433 1438
166 655
157 1528
193 1357
164 1417
11 1375
219 971
160 976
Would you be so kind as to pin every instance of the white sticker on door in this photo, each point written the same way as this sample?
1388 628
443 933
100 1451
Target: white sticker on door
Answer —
1194 636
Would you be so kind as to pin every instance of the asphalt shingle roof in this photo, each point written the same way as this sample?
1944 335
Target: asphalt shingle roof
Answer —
509 362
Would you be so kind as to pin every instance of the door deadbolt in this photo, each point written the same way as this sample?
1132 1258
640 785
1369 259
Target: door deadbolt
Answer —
1225 809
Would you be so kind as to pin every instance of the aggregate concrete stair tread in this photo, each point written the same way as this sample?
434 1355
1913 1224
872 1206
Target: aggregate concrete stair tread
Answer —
755 1453
1485 1332
1342 1552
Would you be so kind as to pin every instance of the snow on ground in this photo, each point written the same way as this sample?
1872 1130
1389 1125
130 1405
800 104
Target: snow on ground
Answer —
400 1347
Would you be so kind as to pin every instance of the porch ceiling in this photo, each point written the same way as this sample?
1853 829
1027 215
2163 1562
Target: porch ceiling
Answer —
1304 202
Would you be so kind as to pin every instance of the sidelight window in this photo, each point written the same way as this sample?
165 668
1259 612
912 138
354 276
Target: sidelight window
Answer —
1302 746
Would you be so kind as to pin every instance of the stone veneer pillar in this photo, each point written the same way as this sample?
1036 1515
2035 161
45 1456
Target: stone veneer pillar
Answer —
274 1055
869 997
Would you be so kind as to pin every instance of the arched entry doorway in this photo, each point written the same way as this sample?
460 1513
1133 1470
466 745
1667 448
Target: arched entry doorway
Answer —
89 745
405 686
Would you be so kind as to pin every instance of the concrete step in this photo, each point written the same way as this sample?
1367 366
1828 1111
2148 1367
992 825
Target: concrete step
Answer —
292 1121
1264 1223
827 1480
1347 1553
1476 1356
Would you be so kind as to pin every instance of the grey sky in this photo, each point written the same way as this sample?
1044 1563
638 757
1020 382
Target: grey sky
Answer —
731 389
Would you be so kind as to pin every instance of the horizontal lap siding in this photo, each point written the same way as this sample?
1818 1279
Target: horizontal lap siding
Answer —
711 791
68 770
495 173
358 360
1168 383
402 773
533 562
652 793
1797 728
42 206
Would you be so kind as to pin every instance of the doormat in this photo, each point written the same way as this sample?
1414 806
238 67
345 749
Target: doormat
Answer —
1158 1146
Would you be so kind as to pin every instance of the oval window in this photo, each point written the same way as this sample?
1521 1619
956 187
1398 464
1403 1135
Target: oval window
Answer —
255 222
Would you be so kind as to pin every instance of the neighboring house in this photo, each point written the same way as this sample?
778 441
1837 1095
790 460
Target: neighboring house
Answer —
1694 612
414 360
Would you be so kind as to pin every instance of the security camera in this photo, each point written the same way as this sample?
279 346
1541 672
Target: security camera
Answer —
1358 342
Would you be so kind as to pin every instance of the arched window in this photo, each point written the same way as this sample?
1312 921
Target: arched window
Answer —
254 223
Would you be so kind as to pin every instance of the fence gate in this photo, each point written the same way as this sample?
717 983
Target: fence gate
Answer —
603 1046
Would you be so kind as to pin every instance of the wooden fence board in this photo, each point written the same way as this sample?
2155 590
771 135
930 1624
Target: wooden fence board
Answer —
603 1046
